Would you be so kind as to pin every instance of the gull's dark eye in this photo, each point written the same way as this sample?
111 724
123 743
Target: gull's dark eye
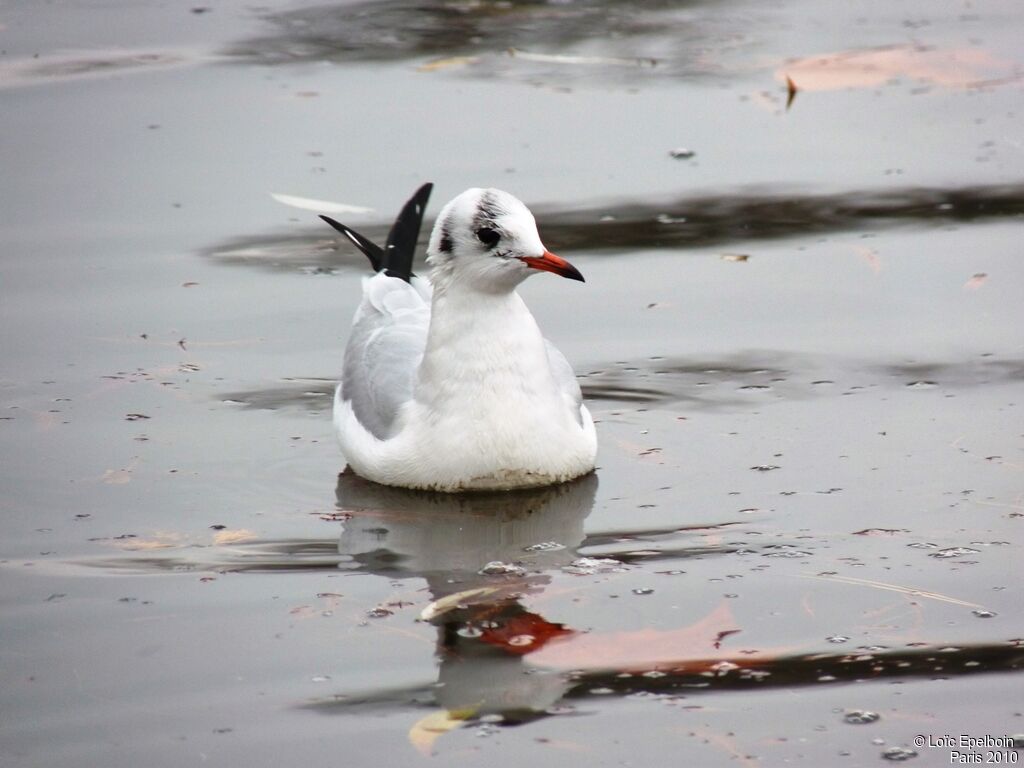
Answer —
488 236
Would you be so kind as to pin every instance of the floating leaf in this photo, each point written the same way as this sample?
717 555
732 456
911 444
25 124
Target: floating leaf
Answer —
871 67
320 206
447 63
450 602
117 476
236 536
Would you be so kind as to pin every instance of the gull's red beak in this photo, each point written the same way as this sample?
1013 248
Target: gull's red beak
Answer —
548 262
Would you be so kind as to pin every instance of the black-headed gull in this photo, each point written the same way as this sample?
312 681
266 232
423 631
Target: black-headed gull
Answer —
448 384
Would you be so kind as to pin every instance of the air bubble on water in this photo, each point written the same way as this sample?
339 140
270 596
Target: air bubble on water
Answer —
922 384
521 640
786 551
378 613
469 631
498 568
723 668
654 673
320 678
643 591
836 639
981 613
898 754
664 218
588 566
493 717
544 546
861 717
601 691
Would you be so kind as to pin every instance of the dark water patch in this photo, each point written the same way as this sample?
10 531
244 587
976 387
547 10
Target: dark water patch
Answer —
969 373
307 394
400 532
810 669
630 34
697 222
537 696
396 531
755 376
723 383
656 544
281 556
765 377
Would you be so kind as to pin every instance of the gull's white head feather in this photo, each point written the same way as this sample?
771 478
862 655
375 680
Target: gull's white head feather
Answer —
480 238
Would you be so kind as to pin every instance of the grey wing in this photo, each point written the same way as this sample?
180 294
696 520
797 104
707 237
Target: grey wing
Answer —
383 353
565 380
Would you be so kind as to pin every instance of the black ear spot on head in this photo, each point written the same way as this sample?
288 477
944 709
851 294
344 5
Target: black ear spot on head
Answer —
488 236
446 244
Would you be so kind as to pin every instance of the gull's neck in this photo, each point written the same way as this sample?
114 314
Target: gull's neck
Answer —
481 341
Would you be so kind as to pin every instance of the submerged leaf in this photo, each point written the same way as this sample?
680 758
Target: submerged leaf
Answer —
428 729
698 644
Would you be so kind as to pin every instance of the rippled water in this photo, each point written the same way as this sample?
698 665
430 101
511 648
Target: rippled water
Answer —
800 338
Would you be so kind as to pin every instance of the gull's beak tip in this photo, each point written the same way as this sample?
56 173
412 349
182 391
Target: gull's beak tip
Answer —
549 262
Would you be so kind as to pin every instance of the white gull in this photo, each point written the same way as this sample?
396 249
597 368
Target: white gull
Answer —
448 384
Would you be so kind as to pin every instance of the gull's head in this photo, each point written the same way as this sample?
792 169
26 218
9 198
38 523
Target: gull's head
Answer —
487 239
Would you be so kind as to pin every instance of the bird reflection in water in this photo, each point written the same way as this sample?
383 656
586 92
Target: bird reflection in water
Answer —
480 554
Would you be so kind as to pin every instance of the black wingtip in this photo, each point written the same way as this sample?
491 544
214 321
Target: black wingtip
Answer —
401 243
371 250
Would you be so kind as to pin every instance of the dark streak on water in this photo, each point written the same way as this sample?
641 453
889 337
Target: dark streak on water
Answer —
691 678
706 384
699 222
401 29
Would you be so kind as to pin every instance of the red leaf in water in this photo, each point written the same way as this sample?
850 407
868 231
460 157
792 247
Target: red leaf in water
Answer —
697 644
977 280
525 633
